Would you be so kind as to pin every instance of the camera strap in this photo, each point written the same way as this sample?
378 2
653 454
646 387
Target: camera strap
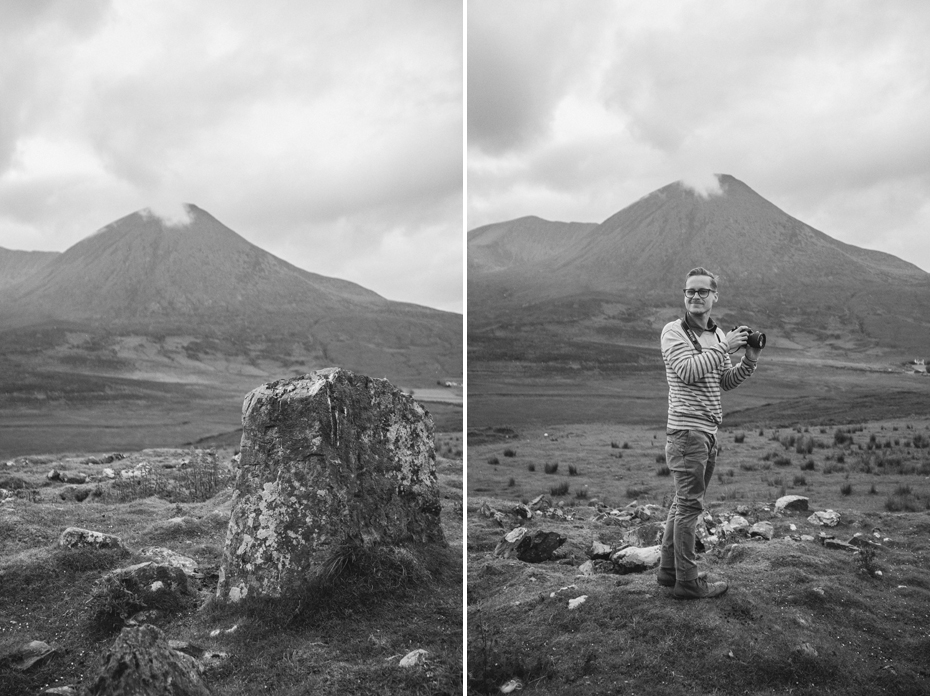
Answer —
692 337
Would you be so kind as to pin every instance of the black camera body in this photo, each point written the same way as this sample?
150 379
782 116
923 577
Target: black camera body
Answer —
756 339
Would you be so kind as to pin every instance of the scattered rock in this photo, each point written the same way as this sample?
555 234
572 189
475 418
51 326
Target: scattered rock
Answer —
586 568
159 554
325 457
806 649
77 494
125 592
413 658
53 475
742 510
143 664
27 655
487 511
577 602
60 691
647 534
839 545
540 502
636 560
537 547
827 518
599 550
522 511
762 529
75 477
109 473
511 686
76 537
791 502
862 541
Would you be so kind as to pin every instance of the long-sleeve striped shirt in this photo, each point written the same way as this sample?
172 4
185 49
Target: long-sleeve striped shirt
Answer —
695 378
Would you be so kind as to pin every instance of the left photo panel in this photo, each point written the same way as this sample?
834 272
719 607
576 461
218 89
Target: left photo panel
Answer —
231 348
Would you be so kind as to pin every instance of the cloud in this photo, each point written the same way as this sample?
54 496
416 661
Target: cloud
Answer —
818 106
296 123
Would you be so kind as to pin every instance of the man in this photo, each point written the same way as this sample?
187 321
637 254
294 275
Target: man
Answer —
697 365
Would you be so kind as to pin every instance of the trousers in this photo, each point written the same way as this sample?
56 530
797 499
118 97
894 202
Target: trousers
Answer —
691 456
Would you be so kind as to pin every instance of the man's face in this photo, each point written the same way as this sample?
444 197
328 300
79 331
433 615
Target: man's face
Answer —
699 305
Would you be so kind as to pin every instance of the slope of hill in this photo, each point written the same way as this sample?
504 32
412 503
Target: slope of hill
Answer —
144 318
624 276
17 265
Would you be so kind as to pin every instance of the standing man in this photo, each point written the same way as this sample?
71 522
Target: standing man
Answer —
697 365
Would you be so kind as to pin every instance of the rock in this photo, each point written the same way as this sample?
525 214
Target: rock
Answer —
487 511
827 518
522 511
537 547
109 473
510 686
586 568
540 502
53 475
142 663
60 691
72 477
326 459
27 655
159 554
839 545
806 537
599 550
647 534
207 659
762 529
636 560
742 509
791 502
77 494
76 537
141 587
413 658
577 602
862 541
735 525
806 649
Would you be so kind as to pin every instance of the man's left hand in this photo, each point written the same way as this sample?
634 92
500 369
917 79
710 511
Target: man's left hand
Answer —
752 353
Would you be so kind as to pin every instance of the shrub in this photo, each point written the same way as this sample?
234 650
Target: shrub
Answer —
581 493
572 470
560 489
846 489
873 490
634 492
511 482
531 467
510 453
626 445
660 459
799 480
748 466
739 438
614 445
551 468
665 471
808 465
841 437
782 461
494 461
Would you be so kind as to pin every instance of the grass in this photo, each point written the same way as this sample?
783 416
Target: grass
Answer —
343 632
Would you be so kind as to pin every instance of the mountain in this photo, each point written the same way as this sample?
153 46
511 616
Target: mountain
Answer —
200 293
17 265
623 277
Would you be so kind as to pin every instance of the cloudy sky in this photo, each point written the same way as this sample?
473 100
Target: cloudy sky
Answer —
578 109
328 133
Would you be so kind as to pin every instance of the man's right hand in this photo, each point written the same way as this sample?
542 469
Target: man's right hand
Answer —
737 338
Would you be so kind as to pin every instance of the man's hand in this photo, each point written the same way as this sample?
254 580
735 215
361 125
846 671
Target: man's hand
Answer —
736 339
752 353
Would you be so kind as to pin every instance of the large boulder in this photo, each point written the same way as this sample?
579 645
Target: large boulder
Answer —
535 547
326 459
77 537
142 663
791 502
636 560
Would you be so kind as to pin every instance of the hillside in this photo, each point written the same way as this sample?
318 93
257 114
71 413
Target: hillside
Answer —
161 329
623 277
17 265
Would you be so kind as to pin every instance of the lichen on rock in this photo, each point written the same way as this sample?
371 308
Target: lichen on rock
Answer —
326 458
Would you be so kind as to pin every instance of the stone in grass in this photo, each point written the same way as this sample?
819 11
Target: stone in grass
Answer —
160 554
791 502
125 592
326 459
537 547
636 560
414 658
600 550
76 493
827 518
142 663
762 529
76 537
27 655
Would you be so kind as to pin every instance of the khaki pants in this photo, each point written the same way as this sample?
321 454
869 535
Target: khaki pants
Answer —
691 456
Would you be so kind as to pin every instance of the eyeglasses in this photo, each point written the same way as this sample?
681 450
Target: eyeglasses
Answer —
701 292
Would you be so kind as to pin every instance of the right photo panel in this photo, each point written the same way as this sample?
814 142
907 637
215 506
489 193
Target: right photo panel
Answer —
698 407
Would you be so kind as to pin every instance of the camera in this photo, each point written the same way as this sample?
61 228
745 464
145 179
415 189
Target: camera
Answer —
756 339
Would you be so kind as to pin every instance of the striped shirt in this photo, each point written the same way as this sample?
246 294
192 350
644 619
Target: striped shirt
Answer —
696 377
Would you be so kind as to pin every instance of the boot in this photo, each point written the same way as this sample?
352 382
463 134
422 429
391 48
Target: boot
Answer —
698 589
666 577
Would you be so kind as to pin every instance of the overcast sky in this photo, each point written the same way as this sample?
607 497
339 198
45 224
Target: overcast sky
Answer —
328 133
578 109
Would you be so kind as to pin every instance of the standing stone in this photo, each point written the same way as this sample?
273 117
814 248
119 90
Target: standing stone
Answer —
328 458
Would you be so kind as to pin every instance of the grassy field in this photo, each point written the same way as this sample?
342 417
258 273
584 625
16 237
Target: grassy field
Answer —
799 618
345 635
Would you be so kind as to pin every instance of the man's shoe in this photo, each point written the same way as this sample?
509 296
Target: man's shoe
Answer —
698 589
666 578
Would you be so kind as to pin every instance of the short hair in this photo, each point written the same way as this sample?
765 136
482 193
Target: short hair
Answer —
701 271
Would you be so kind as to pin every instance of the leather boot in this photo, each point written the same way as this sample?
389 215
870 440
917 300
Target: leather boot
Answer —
698 589
666 577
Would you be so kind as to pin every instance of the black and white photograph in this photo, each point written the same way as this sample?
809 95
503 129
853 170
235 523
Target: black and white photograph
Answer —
231 347
698 409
